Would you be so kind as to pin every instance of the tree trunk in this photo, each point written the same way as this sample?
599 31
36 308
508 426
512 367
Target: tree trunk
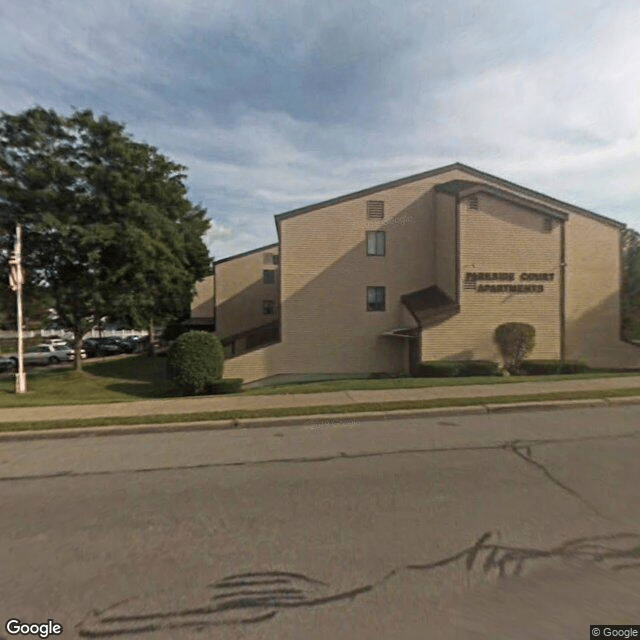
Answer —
152 340
77 347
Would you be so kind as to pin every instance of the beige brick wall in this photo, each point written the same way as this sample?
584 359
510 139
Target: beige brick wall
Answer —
202 305
500 237
325 272
240 292
445 243
593 295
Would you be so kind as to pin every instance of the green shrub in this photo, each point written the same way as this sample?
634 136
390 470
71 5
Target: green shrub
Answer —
194 361
227 385
549 367
515 340
479 368
456 368
437 369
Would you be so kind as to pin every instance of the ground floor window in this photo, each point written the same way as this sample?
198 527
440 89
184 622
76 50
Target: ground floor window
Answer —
375 298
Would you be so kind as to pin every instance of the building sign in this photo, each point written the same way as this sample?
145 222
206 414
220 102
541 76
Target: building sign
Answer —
506 282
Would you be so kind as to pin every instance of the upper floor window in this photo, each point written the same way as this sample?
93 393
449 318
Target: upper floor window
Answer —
376 298
376 241
375 209
268 276
270 258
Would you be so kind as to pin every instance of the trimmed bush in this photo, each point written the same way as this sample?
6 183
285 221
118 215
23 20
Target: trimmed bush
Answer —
195 361
227 385
550 367
456 368
479 368
438 369
515 340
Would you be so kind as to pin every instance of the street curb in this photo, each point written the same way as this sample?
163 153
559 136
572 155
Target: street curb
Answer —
623 400
545 405
317 420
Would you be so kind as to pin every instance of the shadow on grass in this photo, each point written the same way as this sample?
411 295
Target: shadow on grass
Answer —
143 376
138 368
148 390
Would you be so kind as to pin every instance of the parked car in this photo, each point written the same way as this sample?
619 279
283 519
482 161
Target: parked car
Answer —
7 364
137 343
59 343
99 347
45 354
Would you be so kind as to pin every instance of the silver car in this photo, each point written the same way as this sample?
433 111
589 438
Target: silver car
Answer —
45 354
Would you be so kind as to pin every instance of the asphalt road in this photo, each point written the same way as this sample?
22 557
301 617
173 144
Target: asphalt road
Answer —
523 525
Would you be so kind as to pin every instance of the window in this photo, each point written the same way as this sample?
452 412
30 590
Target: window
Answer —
375 298
267 307
268 276
375 209
270 258
276 258
376 243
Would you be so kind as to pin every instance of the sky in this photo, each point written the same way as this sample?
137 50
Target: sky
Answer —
278 104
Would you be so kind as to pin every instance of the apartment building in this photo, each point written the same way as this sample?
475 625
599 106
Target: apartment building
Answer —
419 269
239 301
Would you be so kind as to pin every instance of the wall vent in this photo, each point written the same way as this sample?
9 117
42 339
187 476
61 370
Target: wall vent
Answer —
472 203
375 209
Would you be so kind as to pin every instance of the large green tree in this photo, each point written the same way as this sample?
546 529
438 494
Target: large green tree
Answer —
108 227
36 308
631 284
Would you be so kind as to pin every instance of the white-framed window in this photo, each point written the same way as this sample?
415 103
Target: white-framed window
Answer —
376 243
376 298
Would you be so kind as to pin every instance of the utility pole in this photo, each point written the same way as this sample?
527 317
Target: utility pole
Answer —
15 282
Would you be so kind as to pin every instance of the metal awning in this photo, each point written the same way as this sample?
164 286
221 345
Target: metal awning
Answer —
430 305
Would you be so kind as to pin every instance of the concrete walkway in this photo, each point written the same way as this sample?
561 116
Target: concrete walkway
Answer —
234 402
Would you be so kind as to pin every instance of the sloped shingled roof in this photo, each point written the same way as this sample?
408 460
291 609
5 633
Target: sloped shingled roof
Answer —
500 182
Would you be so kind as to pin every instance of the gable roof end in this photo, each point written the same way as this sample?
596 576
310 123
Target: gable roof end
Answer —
498 182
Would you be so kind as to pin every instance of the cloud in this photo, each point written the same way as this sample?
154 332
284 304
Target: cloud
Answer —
276 105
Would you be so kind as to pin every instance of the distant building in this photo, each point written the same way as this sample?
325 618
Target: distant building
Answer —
419 269
240 300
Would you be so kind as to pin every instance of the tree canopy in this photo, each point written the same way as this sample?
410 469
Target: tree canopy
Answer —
631 284
107 225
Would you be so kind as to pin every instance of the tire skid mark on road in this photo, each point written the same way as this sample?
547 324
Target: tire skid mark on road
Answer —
233 600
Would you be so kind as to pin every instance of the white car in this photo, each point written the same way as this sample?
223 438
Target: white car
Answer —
58 343
46 354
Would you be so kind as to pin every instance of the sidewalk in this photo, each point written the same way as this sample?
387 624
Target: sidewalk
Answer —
228 403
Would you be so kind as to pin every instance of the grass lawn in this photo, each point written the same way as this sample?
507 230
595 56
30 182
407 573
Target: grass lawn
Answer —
348 384
138 377
114 380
